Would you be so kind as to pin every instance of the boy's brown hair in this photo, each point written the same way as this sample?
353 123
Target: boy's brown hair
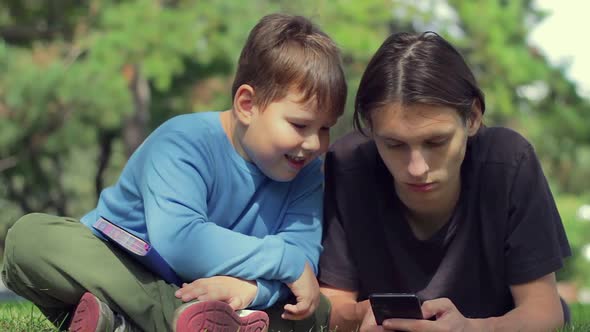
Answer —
284 52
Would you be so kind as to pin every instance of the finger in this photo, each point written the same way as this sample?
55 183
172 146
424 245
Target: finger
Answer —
192 294
298 311
299 307
291 308
290 316
180 292
185 287
436 307
235 303
408 325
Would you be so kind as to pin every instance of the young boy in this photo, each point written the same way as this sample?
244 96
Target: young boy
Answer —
232 201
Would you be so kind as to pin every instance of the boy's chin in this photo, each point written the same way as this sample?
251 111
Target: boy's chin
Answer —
281 176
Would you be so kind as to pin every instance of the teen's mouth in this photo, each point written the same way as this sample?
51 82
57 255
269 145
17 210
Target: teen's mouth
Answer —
421 187
295 162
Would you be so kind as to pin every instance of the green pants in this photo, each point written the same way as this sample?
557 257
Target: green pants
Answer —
52 261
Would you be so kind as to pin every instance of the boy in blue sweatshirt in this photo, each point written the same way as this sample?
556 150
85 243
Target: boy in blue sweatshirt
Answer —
232 201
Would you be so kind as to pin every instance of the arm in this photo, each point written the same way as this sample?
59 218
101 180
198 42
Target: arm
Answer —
302 228
537 308
346 314
174 184
239 293
338 272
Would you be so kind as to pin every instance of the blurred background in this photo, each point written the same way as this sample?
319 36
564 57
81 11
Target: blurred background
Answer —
83 82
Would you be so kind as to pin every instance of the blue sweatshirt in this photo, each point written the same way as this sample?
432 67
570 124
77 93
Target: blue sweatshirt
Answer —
209 212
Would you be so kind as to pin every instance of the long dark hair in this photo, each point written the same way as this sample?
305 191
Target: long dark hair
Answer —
416 69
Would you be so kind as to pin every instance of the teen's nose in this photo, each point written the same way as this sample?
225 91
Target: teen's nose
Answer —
418 166
311 143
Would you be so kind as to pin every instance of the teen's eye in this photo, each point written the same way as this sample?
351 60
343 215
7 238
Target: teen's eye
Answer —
437 143
298 126
325 129
393 145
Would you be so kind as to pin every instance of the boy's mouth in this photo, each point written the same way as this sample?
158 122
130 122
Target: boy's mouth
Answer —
295 162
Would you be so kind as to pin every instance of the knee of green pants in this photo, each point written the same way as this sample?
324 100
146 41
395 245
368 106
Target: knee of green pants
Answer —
14 238
27 243
17 231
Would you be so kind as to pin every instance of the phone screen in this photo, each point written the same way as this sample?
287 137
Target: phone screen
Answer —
395 305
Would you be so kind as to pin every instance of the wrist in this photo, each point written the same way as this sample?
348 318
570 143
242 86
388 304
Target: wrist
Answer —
253 291
295 269
360 310
482 324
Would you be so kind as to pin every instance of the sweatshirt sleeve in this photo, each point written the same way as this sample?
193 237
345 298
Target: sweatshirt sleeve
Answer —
302 226
174 188
269 293
301 230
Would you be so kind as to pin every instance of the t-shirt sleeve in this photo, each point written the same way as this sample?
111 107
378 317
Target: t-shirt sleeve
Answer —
536 243
337 268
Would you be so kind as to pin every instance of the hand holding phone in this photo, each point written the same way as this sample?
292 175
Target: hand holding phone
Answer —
395 305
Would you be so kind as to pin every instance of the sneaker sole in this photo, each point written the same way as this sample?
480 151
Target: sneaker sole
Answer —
86 317
217 316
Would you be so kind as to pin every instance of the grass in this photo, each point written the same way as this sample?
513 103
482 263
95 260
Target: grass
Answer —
23 317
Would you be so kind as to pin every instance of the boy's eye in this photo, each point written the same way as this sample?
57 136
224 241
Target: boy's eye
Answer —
297 125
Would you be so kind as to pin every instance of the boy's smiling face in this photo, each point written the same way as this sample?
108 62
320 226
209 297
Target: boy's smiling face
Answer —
285 136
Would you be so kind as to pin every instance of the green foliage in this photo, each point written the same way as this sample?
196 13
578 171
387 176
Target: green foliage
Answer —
144 32
577 268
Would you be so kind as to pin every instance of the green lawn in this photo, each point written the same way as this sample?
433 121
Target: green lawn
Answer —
23 316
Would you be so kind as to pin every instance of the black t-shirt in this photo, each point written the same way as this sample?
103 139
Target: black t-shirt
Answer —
505 229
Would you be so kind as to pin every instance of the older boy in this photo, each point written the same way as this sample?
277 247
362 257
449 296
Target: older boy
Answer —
232 201
455 212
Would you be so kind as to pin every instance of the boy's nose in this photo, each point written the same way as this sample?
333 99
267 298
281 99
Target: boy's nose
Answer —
311 143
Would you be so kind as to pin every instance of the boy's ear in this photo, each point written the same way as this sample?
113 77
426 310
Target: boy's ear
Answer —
474 118
244 107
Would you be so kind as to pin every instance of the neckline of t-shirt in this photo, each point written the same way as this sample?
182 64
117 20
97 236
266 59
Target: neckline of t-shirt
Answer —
232 153
441 237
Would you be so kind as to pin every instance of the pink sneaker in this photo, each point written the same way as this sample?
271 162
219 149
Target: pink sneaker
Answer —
92 315
217 316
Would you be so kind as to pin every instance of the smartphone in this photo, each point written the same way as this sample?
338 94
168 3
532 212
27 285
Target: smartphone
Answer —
395 305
